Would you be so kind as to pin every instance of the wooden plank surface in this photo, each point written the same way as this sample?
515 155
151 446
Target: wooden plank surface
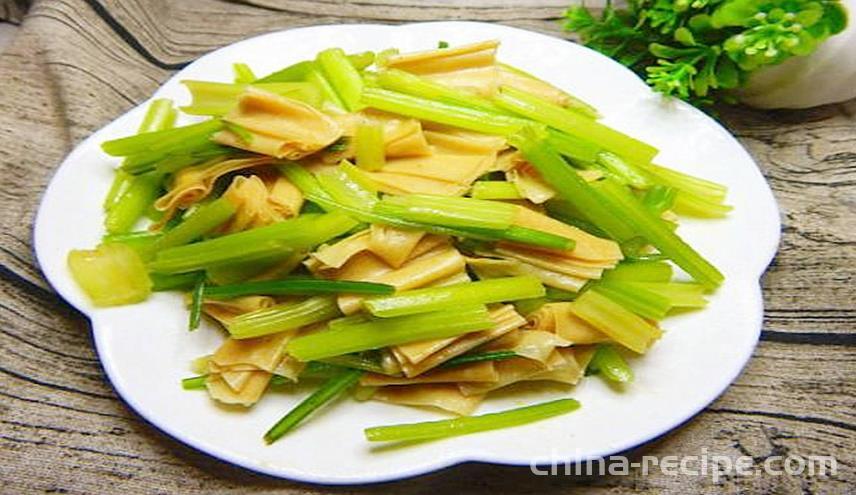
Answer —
74 65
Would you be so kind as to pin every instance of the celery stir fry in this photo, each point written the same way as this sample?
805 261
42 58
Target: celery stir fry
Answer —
414 228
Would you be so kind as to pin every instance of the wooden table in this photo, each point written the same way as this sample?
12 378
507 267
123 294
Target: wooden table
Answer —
77 64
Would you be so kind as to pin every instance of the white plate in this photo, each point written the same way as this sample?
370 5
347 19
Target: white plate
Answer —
145 349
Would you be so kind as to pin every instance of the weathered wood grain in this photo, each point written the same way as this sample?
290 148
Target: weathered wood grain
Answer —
77 64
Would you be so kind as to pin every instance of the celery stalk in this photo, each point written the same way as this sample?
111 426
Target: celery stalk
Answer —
197 298
448 211
643 302
614 320
205 219
574 124
331 389
130 207
623 171
297 286
573 147
111 274
317 78
610 364
569 186
709 191
376 334
640 271
243 73
679 294
654 230
159 141
441 113
371 152
121 183
471 424
440 298
214 98
293 73
297 234
494 189
659 198
343 76
404 82
179 281
478 357
141 242
194 382
282 317
692 205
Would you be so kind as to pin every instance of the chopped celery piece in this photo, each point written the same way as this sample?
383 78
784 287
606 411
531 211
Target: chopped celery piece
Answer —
376 334
448 211
679 294
640 271
317 78
610 364
331 389
574 103
178 281
293 73
494 189
440 112
197 298
615 321
111 274
343 76
643 302
279 263
574 147
371 152
297 286
243 73
342 188
159 116
623 171
130 207
282 317
203 220
692 205
121 183
654 230
554 294
659 198
478 357
214 98
569 186
303 232
160 142
141 242
411 84
707 190
529 306
429 299
471 424
194 382
548 113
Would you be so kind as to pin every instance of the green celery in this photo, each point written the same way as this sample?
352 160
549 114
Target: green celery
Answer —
203 220
197 298
411 84
623 171
679 294
639 271
343 76
282 317
161 141
543 111
575 104
494 189
110 275
121 183
621 325
470 424
659 198
569 186
441 113
331 389
303 232
178 281
692 205
370 147
194 382
528 306
214 98
707 190
610 364
573 147
297 286
282 262
554 294
141 242
448 211
469 293
341 187
130 207
355 361
317 78
376 334
654 230
293 73
643 302
243 73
